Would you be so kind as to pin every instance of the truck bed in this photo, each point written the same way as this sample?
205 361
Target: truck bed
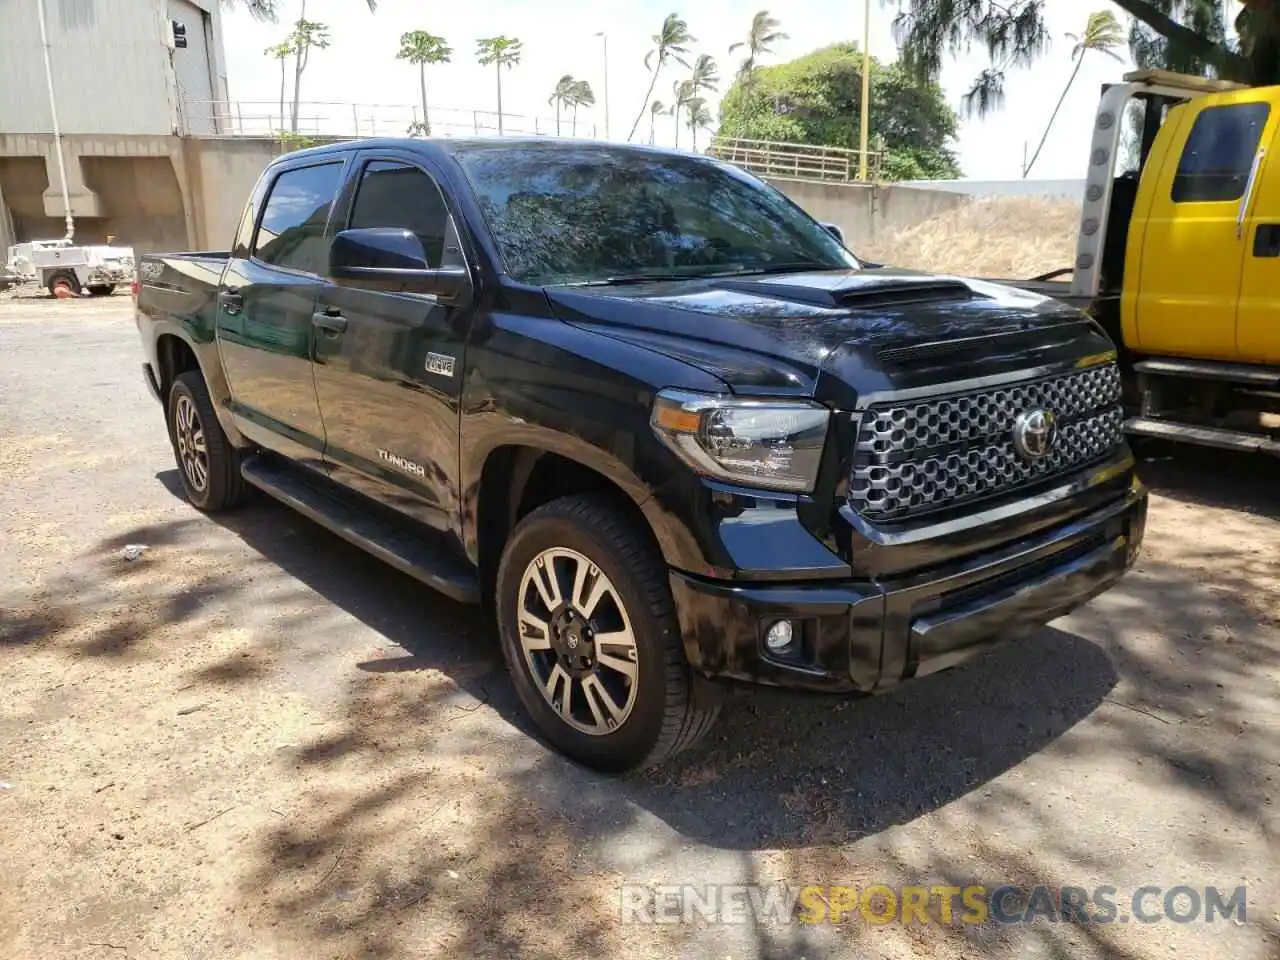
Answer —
182 285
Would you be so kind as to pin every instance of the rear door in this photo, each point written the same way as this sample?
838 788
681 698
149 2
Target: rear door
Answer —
389 380
1258 324
265 307
1193 252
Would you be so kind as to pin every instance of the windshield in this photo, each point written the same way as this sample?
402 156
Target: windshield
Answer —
592 214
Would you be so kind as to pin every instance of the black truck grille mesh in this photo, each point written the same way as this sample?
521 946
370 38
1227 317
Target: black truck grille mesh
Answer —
935 453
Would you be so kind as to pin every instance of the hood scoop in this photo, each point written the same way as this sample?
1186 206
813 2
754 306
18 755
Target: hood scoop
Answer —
853 291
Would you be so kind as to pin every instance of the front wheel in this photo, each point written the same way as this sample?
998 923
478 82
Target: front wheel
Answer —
589 633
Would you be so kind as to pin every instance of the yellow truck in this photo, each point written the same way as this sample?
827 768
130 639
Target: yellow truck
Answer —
1179 256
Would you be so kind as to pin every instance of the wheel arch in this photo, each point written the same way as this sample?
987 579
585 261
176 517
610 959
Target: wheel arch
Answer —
518 477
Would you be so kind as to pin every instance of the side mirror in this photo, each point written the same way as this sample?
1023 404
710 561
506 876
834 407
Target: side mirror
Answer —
835 231
393 260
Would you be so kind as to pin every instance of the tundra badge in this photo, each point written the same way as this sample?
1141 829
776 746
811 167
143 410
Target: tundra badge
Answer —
440 363
402 463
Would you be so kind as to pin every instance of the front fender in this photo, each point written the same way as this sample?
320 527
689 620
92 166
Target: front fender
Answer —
541 383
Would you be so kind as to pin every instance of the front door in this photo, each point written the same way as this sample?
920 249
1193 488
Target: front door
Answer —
1193 252
1258 325
265 313
389 365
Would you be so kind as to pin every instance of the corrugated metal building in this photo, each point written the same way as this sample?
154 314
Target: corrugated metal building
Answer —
125 95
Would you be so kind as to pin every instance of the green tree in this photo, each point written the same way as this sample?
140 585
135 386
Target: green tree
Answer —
670 43
656 109
764 33
580 95
561 96
698 117
1186 35
306 36
1102 33
420 48
817 98
281 51
499 52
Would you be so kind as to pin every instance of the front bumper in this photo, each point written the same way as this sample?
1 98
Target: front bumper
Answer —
867 636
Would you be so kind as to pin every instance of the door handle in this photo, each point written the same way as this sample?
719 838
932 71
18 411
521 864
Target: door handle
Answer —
332 324
1266 242
231 301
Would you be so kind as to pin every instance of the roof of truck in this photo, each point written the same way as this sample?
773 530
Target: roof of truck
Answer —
450 146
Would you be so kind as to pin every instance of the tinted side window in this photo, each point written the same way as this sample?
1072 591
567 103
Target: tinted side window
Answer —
1219 154
291 233
398 195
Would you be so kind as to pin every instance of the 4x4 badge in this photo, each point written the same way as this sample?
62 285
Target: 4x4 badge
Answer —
440 363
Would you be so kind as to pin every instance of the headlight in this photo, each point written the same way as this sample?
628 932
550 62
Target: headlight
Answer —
773 444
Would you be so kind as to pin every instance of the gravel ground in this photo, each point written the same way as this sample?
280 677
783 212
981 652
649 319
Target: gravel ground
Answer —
255 741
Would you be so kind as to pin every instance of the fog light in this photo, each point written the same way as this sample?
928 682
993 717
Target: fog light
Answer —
779 637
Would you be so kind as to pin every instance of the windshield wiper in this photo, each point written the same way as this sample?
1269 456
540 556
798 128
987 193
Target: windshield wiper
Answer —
634 278
797 267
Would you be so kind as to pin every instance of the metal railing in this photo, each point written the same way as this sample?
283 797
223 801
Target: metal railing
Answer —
795 161
262 118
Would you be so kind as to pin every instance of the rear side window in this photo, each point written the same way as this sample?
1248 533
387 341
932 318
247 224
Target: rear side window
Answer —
1219 154
291 232
397 195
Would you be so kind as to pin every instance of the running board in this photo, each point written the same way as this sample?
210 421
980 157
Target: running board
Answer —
1204 436
406 552
1258 376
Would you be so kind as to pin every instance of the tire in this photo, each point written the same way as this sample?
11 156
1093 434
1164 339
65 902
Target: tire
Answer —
102 290
210 478
63 285
664 708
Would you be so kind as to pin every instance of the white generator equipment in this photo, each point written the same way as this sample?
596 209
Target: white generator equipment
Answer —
66 269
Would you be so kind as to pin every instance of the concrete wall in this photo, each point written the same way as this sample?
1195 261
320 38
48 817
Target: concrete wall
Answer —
113 67
221 172
1070 189
868 213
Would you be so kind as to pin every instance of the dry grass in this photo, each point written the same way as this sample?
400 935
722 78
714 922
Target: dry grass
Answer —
1002 237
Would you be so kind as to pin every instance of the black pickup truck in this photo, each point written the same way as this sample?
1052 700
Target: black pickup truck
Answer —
653 415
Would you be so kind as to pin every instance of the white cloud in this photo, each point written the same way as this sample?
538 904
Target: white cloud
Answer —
559 37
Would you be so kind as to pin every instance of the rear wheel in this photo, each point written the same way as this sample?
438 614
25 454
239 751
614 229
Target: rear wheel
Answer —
102 289
208 465
589 633
64 284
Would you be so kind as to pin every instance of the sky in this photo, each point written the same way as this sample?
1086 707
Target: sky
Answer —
560 36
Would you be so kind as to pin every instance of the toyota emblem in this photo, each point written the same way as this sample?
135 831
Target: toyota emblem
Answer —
1035 434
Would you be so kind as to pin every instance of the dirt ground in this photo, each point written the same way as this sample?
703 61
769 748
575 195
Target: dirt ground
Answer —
254 741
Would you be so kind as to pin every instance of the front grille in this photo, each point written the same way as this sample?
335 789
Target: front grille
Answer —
915 457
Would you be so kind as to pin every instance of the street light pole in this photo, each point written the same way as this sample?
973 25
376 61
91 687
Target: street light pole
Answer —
866 93
605 37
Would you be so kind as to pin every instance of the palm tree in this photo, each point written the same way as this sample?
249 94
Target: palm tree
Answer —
656 109
307 34
421 48
1102 33
706 74
699 117
683 91
580 95
281 51
670 43
266 9
501 52
763 34
561 96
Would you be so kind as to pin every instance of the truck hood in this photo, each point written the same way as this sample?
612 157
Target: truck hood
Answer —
836 335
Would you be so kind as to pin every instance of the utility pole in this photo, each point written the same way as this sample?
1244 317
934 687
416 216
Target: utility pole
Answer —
605 37
57 130
866 93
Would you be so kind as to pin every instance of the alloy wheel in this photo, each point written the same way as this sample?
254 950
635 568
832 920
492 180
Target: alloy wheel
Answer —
188 435
577 641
